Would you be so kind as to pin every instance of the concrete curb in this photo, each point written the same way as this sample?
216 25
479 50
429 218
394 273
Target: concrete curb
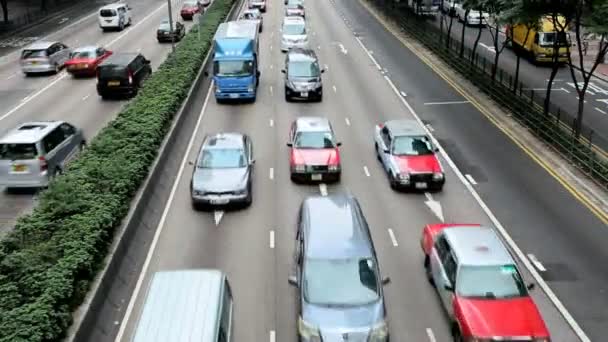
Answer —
85 315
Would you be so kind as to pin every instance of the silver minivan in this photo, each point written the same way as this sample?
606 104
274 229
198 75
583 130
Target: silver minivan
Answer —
34 152
43 57
187 306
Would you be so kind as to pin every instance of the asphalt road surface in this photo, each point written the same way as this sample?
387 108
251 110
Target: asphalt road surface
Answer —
61 97
255 246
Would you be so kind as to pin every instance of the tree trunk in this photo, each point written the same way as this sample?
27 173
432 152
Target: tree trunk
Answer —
517 62
497 53
464 27
43 5
4 5
477 39
554 70
447 44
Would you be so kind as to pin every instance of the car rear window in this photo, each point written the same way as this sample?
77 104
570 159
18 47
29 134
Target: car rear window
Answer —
18 151
112 71
492 282
33 54
107 13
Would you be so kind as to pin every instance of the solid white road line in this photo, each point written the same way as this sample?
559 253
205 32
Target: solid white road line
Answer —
470 179
323 189
369 54
63 74
536 263
271 173
272 239
366 171
392 236
347 121
429 333
599 110
445 103
161 223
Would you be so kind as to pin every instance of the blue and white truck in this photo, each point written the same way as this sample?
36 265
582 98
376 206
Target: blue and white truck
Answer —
235 61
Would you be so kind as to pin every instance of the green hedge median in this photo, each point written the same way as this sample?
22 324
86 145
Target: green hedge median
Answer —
48 261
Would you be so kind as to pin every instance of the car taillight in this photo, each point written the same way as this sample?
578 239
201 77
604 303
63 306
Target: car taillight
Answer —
43 164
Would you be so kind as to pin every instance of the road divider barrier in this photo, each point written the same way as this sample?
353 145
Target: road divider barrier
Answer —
47 263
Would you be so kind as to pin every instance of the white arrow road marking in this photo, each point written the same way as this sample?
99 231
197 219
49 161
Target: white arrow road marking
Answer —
536 263
323 189
217 216
343 49
435 206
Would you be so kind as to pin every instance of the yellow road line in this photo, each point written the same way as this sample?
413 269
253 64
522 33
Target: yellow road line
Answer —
597 211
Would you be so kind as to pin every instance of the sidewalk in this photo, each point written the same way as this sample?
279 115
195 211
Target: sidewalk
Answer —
589 56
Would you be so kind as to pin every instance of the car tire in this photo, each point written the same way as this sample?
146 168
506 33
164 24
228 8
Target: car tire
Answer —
57 69
377 153
392 182
427 270
338 177
457 335
320 98
195 206
287 97
294 178
249 199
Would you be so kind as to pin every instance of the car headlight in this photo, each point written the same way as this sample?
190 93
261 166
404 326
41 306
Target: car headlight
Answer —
198 193
217 89
334 167
300 168
437 175
379 332
308 332
404 176
86 65
250 88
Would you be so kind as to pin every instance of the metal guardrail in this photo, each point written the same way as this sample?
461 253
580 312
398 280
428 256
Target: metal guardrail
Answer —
526 105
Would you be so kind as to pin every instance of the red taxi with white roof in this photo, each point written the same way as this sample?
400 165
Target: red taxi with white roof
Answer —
84 60
408 156
480 285
313 150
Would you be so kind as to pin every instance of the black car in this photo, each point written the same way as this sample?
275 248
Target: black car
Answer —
337 273
122 74
164 33
303 75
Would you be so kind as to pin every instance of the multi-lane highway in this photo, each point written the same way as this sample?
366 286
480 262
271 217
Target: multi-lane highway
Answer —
535 78
371 77
60 97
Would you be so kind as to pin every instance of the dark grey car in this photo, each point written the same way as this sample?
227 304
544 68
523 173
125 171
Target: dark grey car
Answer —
222 172
303 75
337 273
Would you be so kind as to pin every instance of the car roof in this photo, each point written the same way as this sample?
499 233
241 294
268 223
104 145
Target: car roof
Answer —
29 132
113 6
85 48
312 124
223 140
334 228
300 54
404 127
41 45
122 58
478 246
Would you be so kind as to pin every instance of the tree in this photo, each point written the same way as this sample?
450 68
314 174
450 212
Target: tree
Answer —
465 22
4 5
477 7
589 15
495 10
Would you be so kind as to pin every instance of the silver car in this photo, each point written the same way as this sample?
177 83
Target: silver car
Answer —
254 15
43 57
295 9
34 152
294 34
222 172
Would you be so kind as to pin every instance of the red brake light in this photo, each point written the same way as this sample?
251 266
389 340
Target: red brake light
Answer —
43 164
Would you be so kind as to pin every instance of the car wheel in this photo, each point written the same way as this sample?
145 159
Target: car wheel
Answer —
392 181
427 269
195 206
57 68
293 178
457 335
338 177
121 26
287 97
377 153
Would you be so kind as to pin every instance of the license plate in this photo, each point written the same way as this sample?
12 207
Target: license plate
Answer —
113 83
421 185
304 94
234 96
33 63
219 201
316 177
19 168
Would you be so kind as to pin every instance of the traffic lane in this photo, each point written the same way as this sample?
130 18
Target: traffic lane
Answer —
18 90
457 203
504 163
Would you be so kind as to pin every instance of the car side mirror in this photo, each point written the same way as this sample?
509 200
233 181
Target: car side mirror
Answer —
147 61
339 144
289 144
190 162
386 150
252 161
206 73
448 287
322 71
293 280
283 71
436 149
386 280
531 286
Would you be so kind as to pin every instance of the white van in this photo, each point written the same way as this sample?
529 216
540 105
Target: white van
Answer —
114 16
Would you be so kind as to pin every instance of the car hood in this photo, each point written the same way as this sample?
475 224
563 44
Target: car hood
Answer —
428 163
502 317
292 37
80 60
220 180
315 156
232 81
333 322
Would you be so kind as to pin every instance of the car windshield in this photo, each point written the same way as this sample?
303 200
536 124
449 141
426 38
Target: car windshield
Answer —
340 282
314 140
33 54
251 15
233 68
224 158
190 4
412 146
294 5
548 38
164 26
106 13
83 54
292 29
18 151
303 69
490 282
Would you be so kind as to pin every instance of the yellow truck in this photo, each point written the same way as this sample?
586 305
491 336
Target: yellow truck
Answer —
539 44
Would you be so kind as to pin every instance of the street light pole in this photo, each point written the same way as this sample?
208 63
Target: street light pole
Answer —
171 26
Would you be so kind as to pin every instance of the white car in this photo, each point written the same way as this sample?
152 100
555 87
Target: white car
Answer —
114 16
473 17
450 6
294 33
254 15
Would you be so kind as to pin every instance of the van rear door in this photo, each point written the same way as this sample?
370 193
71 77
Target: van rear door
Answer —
19 163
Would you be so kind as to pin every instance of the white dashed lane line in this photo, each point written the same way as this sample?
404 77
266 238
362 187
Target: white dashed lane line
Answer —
271 243
271 173
347 121
323 189
366 171
391 234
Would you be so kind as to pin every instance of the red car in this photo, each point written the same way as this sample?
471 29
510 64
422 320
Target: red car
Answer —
480 285
314 153
190 8
408 156
84 61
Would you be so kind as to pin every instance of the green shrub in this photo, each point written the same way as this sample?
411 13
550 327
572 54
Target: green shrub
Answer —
48 261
